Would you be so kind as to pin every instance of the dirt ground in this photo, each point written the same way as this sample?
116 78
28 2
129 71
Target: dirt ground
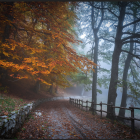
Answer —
61 120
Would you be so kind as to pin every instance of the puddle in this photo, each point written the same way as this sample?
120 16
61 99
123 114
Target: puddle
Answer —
38 113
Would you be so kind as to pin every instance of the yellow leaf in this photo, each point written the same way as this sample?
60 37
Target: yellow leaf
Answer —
5 53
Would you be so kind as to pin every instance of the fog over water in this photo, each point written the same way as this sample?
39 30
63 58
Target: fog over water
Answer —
87 95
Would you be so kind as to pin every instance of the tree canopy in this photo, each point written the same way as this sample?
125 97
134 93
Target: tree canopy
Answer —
36 39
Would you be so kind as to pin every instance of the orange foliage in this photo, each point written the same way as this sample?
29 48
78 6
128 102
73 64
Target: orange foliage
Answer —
39 41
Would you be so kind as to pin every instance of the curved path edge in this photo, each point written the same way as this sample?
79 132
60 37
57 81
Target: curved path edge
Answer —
10 124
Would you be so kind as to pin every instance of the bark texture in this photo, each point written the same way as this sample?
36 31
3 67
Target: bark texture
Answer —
37 86
95 32
125 73
6 34
115 60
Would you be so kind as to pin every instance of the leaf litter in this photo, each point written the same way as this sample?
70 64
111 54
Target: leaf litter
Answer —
60 120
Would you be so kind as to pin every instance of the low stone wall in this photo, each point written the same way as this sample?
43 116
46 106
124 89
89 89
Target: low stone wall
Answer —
10 125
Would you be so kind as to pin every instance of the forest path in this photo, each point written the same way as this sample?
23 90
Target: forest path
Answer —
60 120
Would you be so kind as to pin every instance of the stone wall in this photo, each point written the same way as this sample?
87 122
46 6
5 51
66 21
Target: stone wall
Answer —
10 125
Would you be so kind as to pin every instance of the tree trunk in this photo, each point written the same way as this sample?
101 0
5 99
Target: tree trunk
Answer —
37 86
125 73
9 6
95 32
115 60
94 82
51 89
56 87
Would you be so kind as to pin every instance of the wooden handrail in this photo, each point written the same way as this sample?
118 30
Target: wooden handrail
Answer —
121 107
73 101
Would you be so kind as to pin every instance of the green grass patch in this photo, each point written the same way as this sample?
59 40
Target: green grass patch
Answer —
4 89
8 104
23 129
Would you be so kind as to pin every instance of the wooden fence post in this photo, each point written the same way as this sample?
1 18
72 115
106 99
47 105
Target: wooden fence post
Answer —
69 100
86 105
101 109
82 104
74 102
79 103
132 120
93 107
112 112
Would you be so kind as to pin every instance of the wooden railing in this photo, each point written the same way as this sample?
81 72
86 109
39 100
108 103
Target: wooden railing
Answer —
79 103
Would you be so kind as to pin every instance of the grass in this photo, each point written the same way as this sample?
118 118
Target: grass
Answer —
8 104
4 89
31 117
23 129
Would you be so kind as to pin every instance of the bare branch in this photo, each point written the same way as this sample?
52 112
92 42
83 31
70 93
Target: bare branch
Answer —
135 63
136 4
131 33
131 23
101 16
132 36
132 74
136 41
128 13
111 19
131 54
107 39
15 80
103 9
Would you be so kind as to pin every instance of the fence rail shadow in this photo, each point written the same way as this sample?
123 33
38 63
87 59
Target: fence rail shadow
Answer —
79 103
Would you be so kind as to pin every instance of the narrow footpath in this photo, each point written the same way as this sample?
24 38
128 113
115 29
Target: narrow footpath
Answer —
61 120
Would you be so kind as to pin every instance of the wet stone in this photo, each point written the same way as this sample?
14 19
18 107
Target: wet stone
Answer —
3 117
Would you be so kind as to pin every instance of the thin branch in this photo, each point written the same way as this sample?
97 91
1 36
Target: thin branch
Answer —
111 19
104 9
136 4
136 41
131 54
132 36
128 13
15 80
107 39
131 33
131 23
132 74
135 63
101 16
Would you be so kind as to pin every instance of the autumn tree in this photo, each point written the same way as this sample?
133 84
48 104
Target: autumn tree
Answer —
39 42
6 18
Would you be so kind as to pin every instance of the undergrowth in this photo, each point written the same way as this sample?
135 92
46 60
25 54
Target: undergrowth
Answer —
8 104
